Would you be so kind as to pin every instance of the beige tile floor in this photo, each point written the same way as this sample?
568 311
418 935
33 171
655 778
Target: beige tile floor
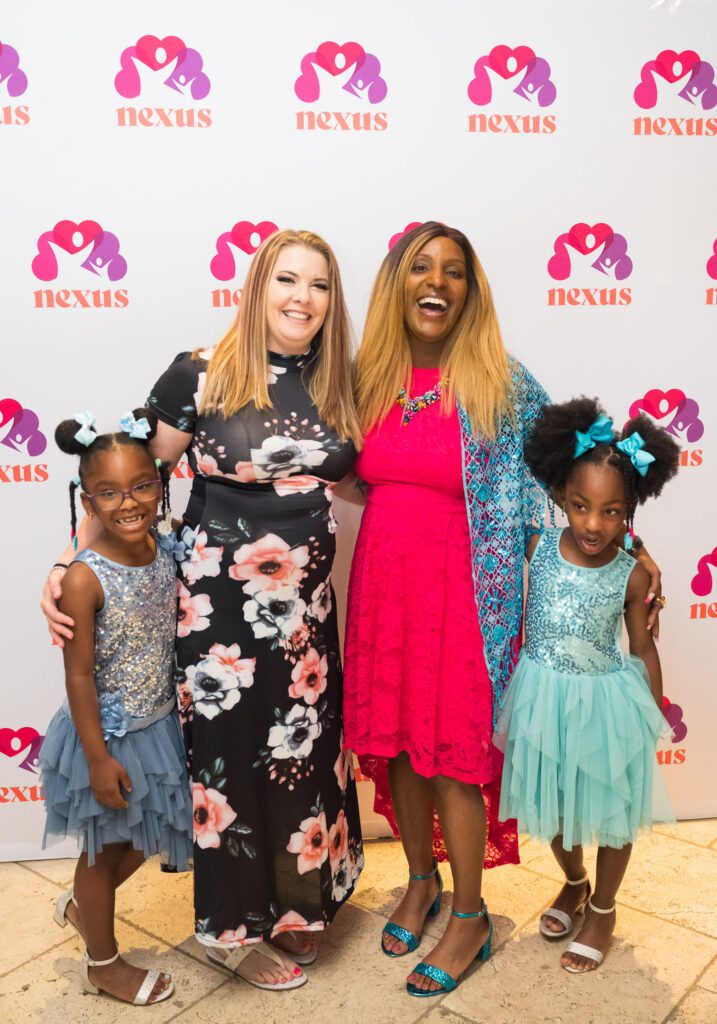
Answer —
662 966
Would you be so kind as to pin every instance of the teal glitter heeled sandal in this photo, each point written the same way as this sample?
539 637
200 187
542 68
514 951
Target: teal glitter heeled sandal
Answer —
442 977
412 941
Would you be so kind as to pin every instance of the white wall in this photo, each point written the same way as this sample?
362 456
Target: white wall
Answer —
168 192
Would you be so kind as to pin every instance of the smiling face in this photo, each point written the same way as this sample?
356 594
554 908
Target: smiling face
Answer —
118 469
297 299
594 500
436 291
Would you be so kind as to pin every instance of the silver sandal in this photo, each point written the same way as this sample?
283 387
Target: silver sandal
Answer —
561 917
582 950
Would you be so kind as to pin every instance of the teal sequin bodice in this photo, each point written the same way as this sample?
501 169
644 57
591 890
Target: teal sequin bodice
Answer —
573 615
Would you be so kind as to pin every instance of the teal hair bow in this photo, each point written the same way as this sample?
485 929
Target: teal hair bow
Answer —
600 432
634 447
85 435
135 428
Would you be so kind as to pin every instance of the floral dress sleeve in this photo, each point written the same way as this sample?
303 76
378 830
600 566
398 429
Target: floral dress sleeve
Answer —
173 398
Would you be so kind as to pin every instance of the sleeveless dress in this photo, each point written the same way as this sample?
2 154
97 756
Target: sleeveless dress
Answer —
134 661
276 824
579 725
416 677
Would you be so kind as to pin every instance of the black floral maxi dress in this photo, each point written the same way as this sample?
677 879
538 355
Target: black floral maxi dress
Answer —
277 837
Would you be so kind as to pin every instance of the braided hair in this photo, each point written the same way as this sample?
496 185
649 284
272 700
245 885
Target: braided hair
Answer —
550 451
66 441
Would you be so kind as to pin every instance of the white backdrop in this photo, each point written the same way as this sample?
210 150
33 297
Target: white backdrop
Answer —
549 151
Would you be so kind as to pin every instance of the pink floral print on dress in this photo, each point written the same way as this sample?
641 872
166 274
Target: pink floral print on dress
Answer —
193 611
268 564
212 814
309 677
311 843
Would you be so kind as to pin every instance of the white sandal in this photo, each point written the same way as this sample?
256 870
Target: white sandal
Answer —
561 917
143 992
59 917
235 956
588 951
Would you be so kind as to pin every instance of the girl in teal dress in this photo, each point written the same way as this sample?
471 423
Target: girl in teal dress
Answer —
581 717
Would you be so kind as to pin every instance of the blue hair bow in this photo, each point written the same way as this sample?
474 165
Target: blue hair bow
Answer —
634 447
85 435
600 432
135 428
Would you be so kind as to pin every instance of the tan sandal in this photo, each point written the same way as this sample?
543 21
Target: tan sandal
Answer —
232 961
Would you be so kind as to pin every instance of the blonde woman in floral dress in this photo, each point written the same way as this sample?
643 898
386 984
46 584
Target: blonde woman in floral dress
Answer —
268 424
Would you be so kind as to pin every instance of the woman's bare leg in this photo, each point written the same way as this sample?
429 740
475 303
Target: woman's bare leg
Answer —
413 805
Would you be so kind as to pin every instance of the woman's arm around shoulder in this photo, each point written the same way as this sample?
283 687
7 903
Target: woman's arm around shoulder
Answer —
642 642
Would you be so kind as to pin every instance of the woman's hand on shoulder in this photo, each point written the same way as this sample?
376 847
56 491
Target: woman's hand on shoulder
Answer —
653 591
59 626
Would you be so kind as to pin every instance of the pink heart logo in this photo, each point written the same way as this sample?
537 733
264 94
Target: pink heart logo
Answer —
673 66
148 47
65 232
712 262
13 741
657 403
336 59
248 237
507 62
587 238
399 234
245 236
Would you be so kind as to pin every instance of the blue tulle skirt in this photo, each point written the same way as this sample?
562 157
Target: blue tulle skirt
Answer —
159 816
580 754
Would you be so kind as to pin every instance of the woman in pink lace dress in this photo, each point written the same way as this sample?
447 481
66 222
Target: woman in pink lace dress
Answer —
418 694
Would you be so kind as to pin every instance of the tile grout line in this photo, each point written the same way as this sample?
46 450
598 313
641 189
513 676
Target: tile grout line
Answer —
48 949
632 906
190 1006
695 984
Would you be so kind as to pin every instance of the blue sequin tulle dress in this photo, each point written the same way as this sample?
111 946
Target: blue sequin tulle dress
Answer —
579 724
134 659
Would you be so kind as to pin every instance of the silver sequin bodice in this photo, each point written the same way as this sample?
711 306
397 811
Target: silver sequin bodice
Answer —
134 631
573 615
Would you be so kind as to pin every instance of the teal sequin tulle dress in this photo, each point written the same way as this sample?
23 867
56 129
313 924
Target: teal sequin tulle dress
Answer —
579 724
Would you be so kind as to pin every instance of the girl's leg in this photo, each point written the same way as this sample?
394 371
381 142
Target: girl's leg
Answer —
570 896
598 928
95 895
461 810
131 860
413 805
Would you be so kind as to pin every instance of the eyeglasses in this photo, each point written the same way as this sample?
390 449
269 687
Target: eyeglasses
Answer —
110 501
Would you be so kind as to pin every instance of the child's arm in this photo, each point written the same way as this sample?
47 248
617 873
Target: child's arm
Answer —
642 642
81 598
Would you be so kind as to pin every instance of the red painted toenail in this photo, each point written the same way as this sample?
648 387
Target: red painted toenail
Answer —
297 970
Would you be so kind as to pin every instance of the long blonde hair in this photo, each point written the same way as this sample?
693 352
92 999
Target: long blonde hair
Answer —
238 369
474 361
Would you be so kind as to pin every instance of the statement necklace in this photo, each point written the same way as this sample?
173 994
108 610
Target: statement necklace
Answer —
411 406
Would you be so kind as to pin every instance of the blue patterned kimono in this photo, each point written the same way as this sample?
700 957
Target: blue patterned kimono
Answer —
505 506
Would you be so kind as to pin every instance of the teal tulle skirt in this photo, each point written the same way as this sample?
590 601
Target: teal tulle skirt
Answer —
158 819
580 754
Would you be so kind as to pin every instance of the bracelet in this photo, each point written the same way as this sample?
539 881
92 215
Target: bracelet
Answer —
60 565
637 546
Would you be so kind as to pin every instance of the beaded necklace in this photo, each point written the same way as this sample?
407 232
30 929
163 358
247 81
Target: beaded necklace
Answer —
411 406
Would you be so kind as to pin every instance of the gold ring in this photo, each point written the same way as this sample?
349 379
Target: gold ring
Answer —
661 600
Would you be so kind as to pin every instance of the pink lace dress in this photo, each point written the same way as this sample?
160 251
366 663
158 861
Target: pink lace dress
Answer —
415 679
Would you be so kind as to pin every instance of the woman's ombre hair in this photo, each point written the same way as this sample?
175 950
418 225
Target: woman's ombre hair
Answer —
473 362
238 369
